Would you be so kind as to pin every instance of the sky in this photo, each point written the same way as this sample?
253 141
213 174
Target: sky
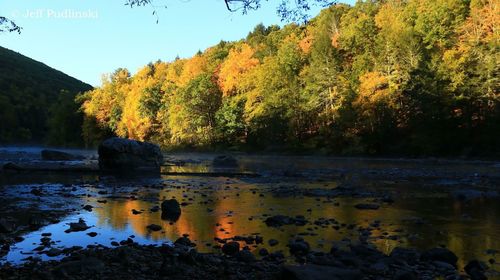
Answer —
87 38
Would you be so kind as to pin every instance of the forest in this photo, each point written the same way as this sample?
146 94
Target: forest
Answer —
380 77
37 103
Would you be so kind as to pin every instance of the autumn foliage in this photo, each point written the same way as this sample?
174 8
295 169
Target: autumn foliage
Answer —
417 77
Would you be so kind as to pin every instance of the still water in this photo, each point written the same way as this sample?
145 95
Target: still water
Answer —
424 213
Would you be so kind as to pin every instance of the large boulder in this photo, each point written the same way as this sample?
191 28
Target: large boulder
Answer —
59 156
119 154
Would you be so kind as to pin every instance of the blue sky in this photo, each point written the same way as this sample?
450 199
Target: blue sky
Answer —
86 38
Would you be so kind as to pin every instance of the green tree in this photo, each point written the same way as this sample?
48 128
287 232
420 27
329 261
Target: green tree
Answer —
192 114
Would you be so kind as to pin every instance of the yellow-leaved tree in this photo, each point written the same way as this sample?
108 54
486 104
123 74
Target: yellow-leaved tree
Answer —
237 64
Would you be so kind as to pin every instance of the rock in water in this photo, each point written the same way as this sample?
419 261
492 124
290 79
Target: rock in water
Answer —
60 156
440 254
153 227
54 252
231 248
225 161
118 154
476 270
170 210
299 247
184 241
80 226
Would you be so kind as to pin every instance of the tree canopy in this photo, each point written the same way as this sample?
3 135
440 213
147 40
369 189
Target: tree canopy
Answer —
418 77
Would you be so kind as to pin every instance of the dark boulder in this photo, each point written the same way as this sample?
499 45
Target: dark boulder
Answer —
184 241
231 248
170 210
410 256
153 227
263 252
245 256
59 156
299 247
225 161
273 242
118 154
53 252
281 220
440 254
476 270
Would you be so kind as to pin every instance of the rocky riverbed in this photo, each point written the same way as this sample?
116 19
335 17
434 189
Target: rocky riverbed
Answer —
182 261
302 217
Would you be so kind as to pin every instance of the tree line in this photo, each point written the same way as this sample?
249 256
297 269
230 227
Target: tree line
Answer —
415 77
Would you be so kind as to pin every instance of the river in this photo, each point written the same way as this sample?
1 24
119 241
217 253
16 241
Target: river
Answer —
422 203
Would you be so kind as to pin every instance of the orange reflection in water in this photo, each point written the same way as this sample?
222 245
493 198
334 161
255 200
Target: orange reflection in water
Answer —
244 214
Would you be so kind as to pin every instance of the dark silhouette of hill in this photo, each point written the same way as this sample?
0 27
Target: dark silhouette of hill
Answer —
37 102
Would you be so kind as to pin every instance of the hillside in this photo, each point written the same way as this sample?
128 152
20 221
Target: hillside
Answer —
37 102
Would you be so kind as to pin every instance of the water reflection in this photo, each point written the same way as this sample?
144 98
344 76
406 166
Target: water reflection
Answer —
222 208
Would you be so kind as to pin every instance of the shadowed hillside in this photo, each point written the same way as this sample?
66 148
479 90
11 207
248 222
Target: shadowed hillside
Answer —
37 102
